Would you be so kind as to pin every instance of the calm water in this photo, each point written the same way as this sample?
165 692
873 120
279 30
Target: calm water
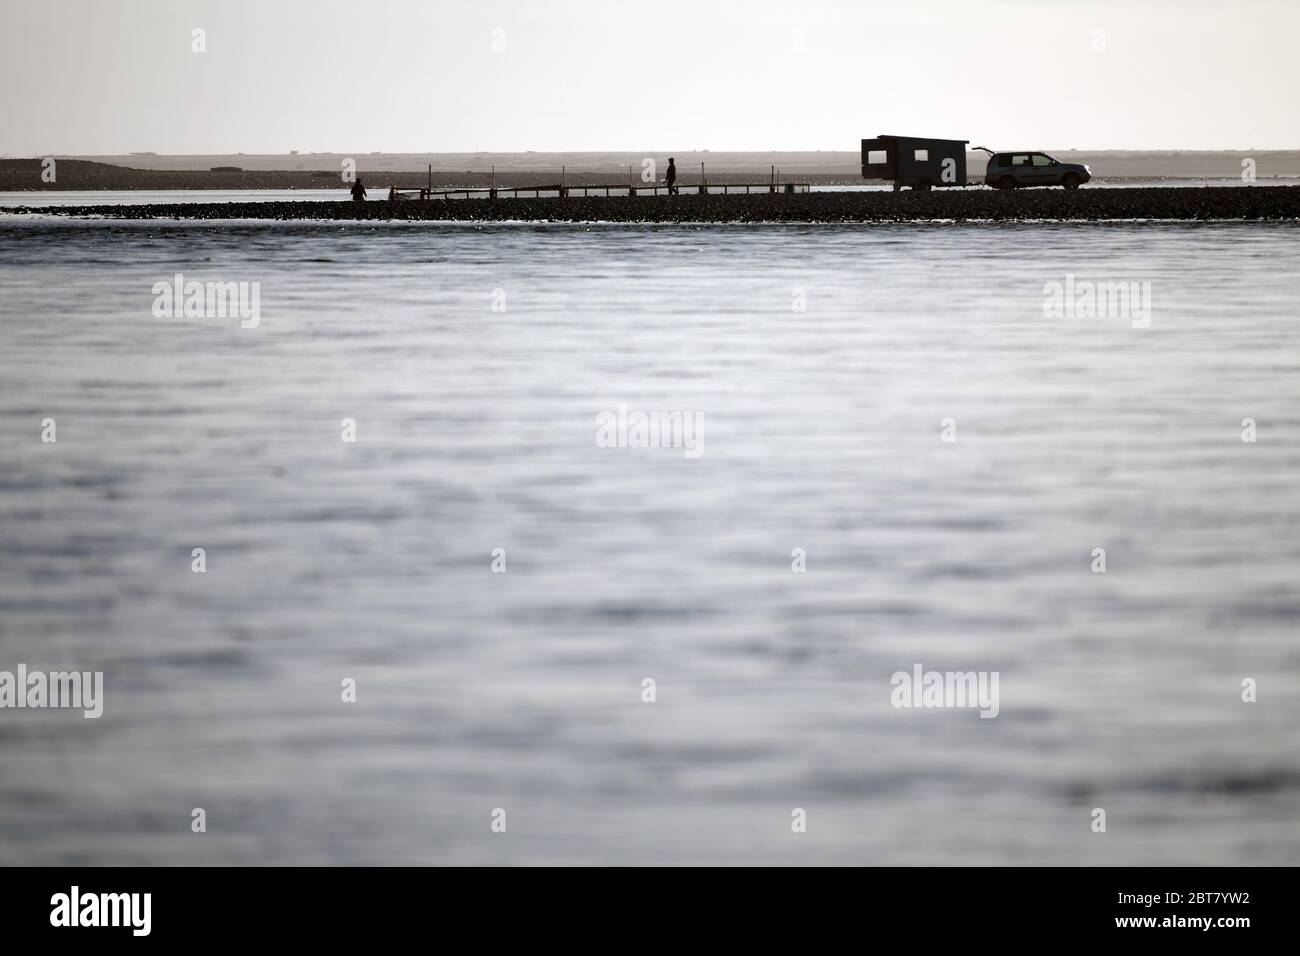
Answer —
138 197
522 690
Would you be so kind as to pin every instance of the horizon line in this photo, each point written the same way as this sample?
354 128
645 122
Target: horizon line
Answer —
636 152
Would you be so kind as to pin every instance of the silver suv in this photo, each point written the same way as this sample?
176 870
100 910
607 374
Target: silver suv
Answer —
1018 170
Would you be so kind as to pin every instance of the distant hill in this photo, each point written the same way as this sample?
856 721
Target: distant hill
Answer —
380 170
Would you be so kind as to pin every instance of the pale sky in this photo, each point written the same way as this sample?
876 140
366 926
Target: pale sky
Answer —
114 76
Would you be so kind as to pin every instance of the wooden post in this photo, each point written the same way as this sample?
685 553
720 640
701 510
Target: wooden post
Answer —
431 180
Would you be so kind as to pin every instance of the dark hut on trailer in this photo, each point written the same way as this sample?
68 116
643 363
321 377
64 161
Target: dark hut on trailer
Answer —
915 161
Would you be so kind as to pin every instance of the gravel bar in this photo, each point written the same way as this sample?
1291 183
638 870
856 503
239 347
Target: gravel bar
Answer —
1177 203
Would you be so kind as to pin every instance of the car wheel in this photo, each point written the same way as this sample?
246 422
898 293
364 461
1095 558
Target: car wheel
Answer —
1007 182
1070 181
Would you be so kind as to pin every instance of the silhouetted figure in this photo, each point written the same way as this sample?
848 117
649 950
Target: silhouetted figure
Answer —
358 191
392 193
670 177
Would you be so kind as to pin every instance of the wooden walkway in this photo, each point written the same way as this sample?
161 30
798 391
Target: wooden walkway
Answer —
561 190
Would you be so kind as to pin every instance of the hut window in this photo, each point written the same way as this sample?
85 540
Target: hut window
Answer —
877 157
921 155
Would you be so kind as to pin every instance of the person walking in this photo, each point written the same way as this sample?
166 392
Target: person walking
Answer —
358 192
670 177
